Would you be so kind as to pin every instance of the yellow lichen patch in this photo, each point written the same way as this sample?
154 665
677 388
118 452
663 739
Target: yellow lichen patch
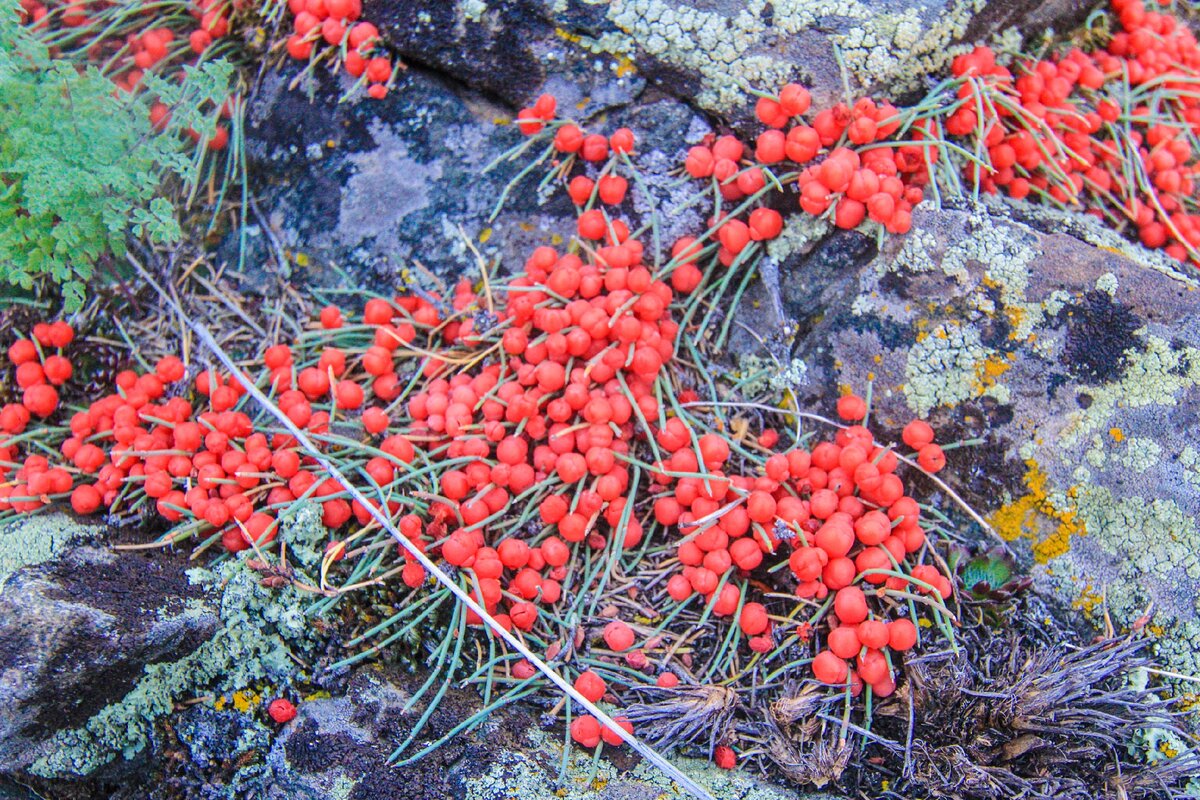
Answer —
625 66
1117 434
1016 316
1019 518
246 699
1089 600
566 35
988 370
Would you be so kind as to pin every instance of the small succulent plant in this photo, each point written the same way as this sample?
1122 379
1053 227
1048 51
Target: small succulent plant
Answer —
988 576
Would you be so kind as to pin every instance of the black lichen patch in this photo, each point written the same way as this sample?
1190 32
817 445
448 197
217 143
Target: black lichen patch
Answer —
310 750
131 587
1099 333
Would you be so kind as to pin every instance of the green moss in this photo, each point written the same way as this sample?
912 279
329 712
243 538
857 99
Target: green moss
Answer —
38 538
260 628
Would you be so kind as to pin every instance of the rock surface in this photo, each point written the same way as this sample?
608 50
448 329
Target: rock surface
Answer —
339 747
1076 361
704 53
395 192
75 635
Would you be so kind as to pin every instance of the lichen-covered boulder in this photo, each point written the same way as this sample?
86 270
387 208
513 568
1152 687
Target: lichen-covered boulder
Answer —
706 53
76 633
1074 355
41 537
98 647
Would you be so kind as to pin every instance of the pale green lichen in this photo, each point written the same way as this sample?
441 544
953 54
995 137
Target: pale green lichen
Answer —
260 628
1138 454
35 539
793 376
1155 374
916 255
943 366
1135 453
731 51
1155 745
1189 459
1108 284
473 10
799 234
1151 548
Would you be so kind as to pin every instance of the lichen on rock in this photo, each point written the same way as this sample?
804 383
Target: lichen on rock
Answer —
734 45
38 538
260 629
1076 358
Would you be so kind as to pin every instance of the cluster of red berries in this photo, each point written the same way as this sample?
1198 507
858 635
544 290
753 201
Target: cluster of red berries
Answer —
1055 130
335 23
39 367
1060 127
571 140
468 412
837 516
879 183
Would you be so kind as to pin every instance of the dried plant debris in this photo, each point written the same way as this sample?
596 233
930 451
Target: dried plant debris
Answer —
1009 717
687 714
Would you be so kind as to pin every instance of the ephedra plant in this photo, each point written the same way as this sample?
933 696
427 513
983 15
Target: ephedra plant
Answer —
680 548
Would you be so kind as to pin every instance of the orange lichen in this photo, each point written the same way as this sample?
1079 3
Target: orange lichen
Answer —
1027 517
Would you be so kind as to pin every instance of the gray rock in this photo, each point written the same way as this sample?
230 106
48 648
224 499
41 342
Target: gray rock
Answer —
393 191
339 748
705 53
76 633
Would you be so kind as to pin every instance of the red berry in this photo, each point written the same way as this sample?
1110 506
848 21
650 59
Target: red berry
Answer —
281 710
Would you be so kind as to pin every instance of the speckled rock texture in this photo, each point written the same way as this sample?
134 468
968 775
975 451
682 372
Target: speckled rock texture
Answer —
337 749
1074 355
75 635
705 53
395 192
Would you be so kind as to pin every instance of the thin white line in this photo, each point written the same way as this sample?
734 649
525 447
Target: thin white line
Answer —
644 750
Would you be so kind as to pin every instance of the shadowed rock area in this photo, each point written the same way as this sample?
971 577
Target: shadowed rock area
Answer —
75 635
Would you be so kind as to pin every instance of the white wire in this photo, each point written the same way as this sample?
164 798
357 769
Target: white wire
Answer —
644 750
